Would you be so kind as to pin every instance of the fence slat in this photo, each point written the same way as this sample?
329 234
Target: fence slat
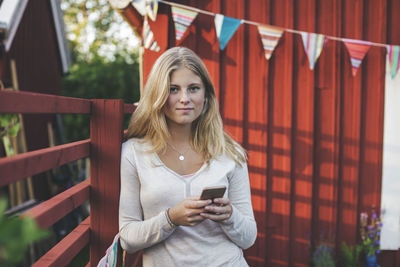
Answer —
52 210
21 166
62 253
106 137
27 102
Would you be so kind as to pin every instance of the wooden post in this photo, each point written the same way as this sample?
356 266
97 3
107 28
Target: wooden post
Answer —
105 154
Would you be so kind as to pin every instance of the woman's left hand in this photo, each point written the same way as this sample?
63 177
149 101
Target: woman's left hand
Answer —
219 211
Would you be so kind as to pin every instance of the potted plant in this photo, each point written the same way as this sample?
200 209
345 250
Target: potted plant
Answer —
370 230
322 256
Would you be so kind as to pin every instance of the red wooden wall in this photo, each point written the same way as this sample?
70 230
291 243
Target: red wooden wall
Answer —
38 65
314 137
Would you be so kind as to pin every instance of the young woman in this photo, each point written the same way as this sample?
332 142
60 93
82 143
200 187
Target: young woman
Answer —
177 146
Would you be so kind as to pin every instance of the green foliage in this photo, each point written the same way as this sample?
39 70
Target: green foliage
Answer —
9 125
322 257
105 59
99 78
350 255
94 28
16 234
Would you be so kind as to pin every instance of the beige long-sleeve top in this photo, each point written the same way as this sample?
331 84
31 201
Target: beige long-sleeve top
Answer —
148 188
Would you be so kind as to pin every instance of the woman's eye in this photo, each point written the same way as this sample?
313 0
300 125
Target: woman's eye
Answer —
194 88
173 89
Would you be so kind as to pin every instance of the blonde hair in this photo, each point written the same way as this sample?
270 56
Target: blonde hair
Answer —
149 123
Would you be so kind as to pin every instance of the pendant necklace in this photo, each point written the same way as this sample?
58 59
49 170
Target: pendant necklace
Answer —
181 155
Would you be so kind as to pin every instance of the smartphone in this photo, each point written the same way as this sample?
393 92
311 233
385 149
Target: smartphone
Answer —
213 192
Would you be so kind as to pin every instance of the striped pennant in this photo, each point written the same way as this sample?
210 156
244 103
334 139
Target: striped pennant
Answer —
152 9
225 28
313 44
357 50
148 40
182 19
270 37
393 54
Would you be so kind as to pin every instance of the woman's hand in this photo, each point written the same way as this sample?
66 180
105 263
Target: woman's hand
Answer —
187 212
219 211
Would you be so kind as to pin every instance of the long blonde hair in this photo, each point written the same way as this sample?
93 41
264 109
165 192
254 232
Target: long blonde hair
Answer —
149 123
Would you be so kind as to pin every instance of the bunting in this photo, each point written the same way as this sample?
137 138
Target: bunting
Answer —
225 27
152 9
393 56
270 37
148 40
313 44
357 50
183 18
140 6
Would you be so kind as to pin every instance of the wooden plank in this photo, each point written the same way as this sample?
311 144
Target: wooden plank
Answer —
280 176
21 166
62 253
27 102
52 210
302 141
106 137
255 125
129 108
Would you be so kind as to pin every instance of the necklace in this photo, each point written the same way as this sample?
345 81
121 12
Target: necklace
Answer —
181 157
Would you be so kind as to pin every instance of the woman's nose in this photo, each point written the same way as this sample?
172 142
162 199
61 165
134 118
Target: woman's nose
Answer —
184 97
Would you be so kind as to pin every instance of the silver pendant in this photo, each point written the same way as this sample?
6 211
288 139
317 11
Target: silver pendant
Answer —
181 157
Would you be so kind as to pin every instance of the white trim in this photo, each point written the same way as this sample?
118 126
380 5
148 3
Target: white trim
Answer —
14 16
60 33
390 197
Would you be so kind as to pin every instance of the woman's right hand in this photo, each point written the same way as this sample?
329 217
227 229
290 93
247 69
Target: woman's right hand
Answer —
187 212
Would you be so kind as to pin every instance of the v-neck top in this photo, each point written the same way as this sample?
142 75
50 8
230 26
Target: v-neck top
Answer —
149 188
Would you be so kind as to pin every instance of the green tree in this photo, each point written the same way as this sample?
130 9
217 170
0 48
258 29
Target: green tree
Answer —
98 78
94 28
104 59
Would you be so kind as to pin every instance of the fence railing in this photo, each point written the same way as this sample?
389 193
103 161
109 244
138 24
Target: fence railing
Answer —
102 189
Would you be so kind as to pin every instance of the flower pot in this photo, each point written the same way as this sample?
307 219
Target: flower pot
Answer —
370 261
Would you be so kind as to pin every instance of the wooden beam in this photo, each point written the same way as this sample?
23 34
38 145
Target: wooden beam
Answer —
27 102
129 108
27 164
52 210
62 253
106 138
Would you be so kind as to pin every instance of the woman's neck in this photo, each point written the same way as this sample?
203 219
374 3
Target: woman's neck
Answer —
180 134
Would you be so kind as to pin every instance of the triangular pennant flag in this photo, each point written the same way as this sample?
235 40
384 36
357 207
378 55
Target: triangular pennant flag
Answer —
313 44
182 18
225 27
270 37
140 6
148 40
393 54
152 9
357 50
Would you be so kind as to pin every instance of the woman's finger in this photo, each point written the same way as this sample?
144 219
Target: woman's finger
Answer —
215 217
195 204
223 201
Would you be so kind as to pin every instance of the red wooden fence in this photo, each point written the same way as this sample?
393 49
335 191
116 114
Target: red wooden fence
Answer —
102 189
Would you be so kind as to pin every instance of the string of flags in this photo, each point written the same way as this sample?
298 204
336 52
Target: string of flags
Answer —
226 27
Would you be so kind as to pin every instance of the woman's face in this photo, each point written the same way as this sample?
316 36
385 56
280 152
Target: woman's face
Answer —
186 98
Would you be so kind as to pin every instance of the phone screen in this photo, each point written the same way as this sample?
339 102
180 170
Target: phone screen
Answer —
213 192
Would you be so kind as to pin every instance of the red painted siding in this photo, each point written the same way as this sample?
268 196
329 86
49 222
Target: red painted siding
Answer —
314 137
